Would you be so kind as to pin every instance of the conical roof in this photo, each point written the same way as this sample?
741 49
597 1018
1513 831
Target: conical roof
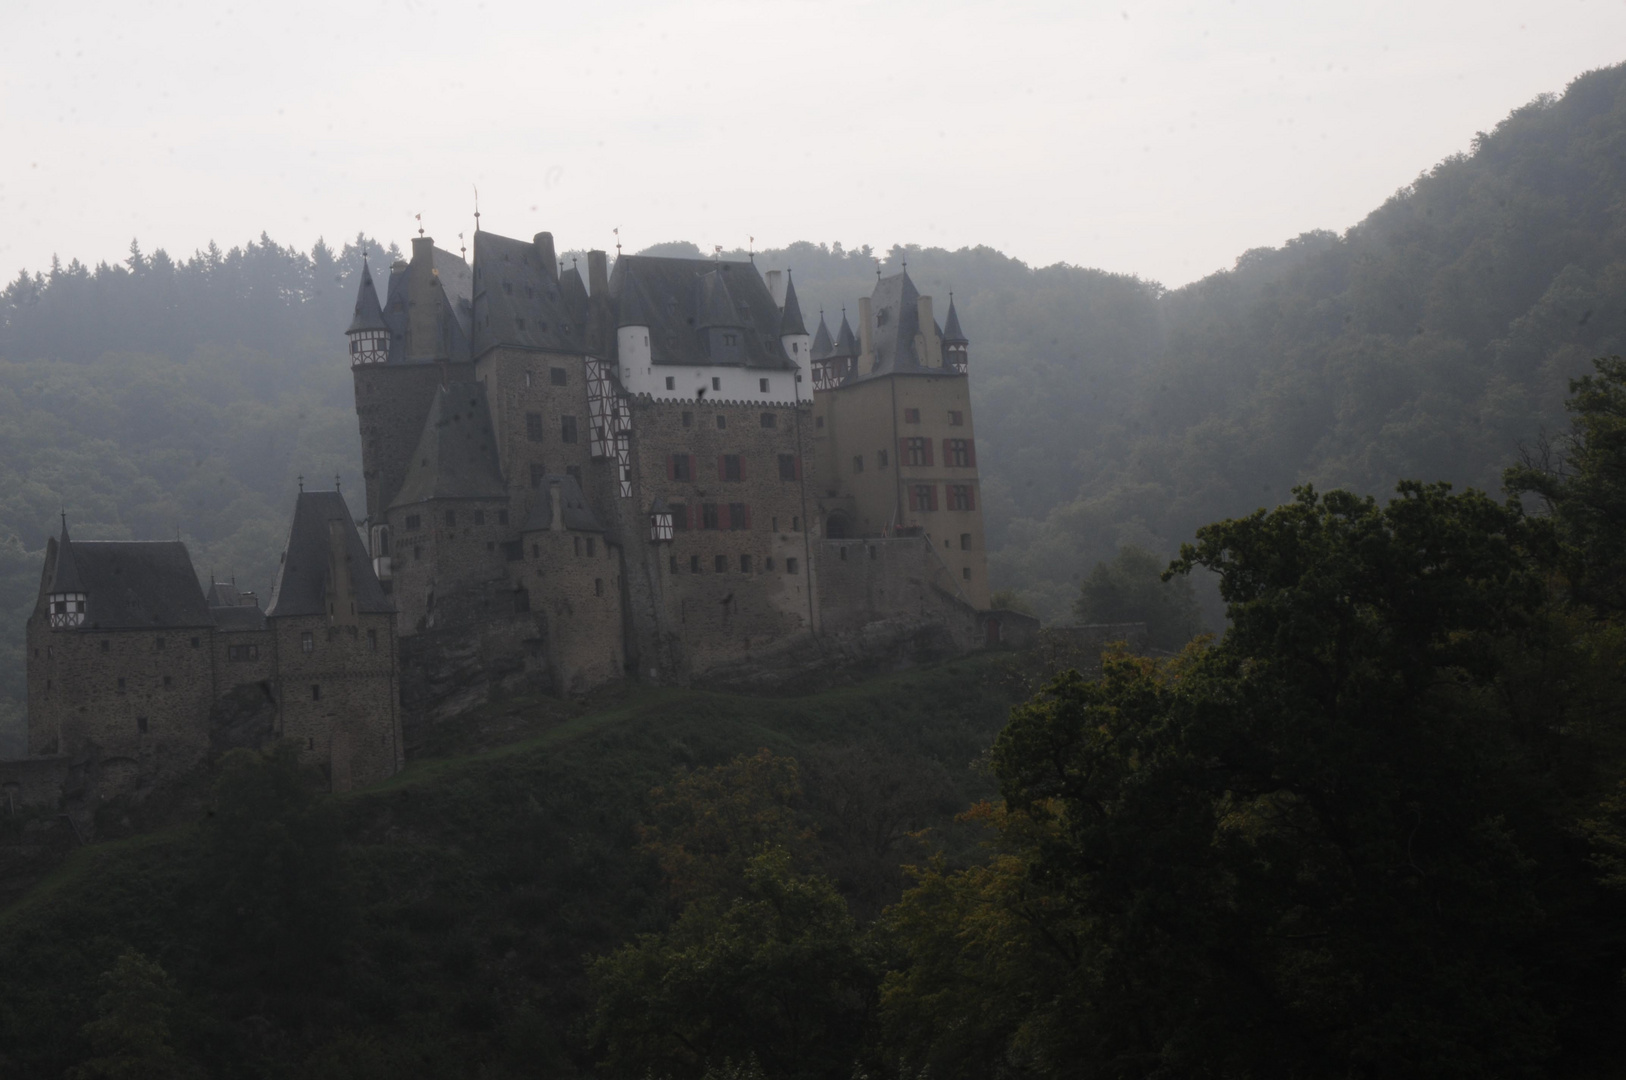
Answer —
65 578
633 306
369 315
821 340
791 321
846 342
951 332
306 577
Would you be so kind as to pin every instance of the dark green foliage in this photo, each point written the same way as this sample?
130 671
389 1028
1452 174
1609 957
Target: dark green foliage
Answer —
1131 589
130 1035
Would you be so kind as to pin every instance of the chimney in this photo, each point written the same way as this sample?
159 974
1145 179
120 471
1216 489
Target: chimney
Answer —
928 334
544 251
598 275
866 322
423 307
556 504
776 287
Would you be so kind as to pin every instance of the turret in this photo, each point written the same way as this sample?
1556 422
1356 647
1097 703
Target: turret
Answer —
843 353
820 355
955 346
369 335
66 597
792 330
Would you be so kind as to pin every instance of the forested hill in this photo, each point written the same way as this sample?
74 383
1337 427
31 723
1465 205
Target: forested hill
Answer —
1430 341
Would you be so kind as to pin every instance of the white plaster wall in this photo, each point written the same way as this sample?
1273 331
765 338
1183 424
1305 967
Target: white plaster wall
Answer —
640 376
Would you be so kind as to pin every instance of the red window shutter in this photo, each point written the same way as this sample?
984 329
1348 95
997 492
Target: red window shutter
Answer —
903 452
671 466
722 471
948 458
747 515
926 444
971 453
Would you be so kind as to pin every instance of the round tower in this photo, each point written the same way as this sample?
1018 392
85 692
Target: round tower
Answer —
369 335
793 335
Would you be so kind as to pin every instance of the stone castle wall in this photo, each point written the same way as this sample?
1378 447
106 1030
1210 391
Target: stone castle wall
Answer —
338 700
391 403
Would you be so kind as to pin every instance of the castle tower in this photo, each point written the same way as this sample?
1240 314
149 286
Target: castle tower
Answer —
66 599
955 346
369 334
792 330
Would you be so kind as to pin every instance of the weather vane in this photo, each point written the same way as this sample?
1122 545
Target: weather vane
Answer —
476 209
461 248
617 231
420 223
751 248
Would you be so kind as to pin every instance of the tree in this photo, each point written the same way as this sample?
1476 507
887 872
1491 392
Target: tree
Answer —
1339 842
1134 588
130 1035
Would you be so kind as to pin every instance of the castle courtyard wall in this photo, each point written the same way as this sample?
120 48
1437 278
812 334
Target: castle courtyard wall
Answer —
338 701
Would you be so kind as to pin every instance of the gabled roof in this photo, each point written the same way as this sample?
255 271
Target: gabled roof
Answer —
225 594
303 579
846 342
790 321
518 299
683 298
821 340
895 305
369 315
135 585
951 331
578 516
238 618
456 456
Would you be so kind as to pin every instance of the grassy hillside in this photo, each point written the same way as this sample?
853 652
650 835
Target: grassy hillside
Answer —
437 924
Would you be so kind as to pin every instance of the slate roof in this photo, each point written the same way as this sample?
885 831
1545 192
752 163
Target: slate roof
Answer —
238 618
896 311
65 575
518 299
846 341
224 594
136 585
454 284
302 580
456 457
790 321
573 506
369 315
821 340
951 332
683 298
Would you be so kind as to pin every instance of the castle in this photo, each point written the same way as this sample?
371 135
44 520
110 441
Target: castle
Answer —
655 473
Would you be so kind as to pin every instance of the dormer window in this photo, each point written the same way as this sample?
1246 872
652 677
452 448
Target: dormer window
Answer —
731 339
66 609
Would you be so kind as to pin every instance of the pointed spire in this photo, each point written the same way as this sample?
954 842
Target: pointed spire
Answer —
821 339
952 335
65 577
846 340
791 321
369 315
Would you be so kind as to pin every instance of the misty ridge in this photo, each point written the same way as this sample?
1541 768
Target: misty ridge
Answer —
167 395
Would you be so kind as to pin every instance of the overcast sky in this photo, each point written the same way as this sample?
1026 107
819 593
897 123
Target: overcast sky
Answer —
1160 139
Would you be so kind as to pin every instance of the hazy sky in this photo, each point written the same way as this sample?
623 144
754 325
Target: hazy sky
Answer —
1162 139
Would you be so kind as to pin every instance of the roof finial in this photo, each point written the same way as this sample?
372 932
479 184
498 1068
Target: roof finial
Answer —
335 481
476 209
562 265
751 248
617 231
462 250
717 252
420 223
301 482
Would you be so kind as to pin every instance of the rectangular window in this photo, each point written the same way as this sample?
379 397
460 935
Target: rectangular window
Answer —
168 682
413 521
121 684
745 564
681 467
242 652
923 496
708 515
479 517
417 553
576 544
694 564
730 339
722 422
307 643
911 416
770 420
451 517
141 724
567 428
106 645
915 451
671 383
672 564
858 463
533 426
965 572
790 566
788 467
316 692
502 517
557 376
688 419
720 564
818 421
965 541
880 459
957 453
598 586
739 516
590 543
960 497
372 640
194 643
762 384
731 468
956 419
680 516
716 383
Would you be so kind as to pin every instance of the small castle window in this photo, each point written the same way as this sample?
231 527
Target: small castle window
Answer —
141 724
965 572
762 384
567 428
733 468
956 419
194 643
720 564
960 497
316 692
911 416
745 564
413 521
731 339
708 515
106 645
307 642
598 586
694 564
681 467
558 377
858 463
722 422
680 516
671 384
121 684
770 420
168 682
880 459
688 417
479 517
965 541
767 564
590 543
716 383
790 566
533 426
959 453
159 644
818 421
